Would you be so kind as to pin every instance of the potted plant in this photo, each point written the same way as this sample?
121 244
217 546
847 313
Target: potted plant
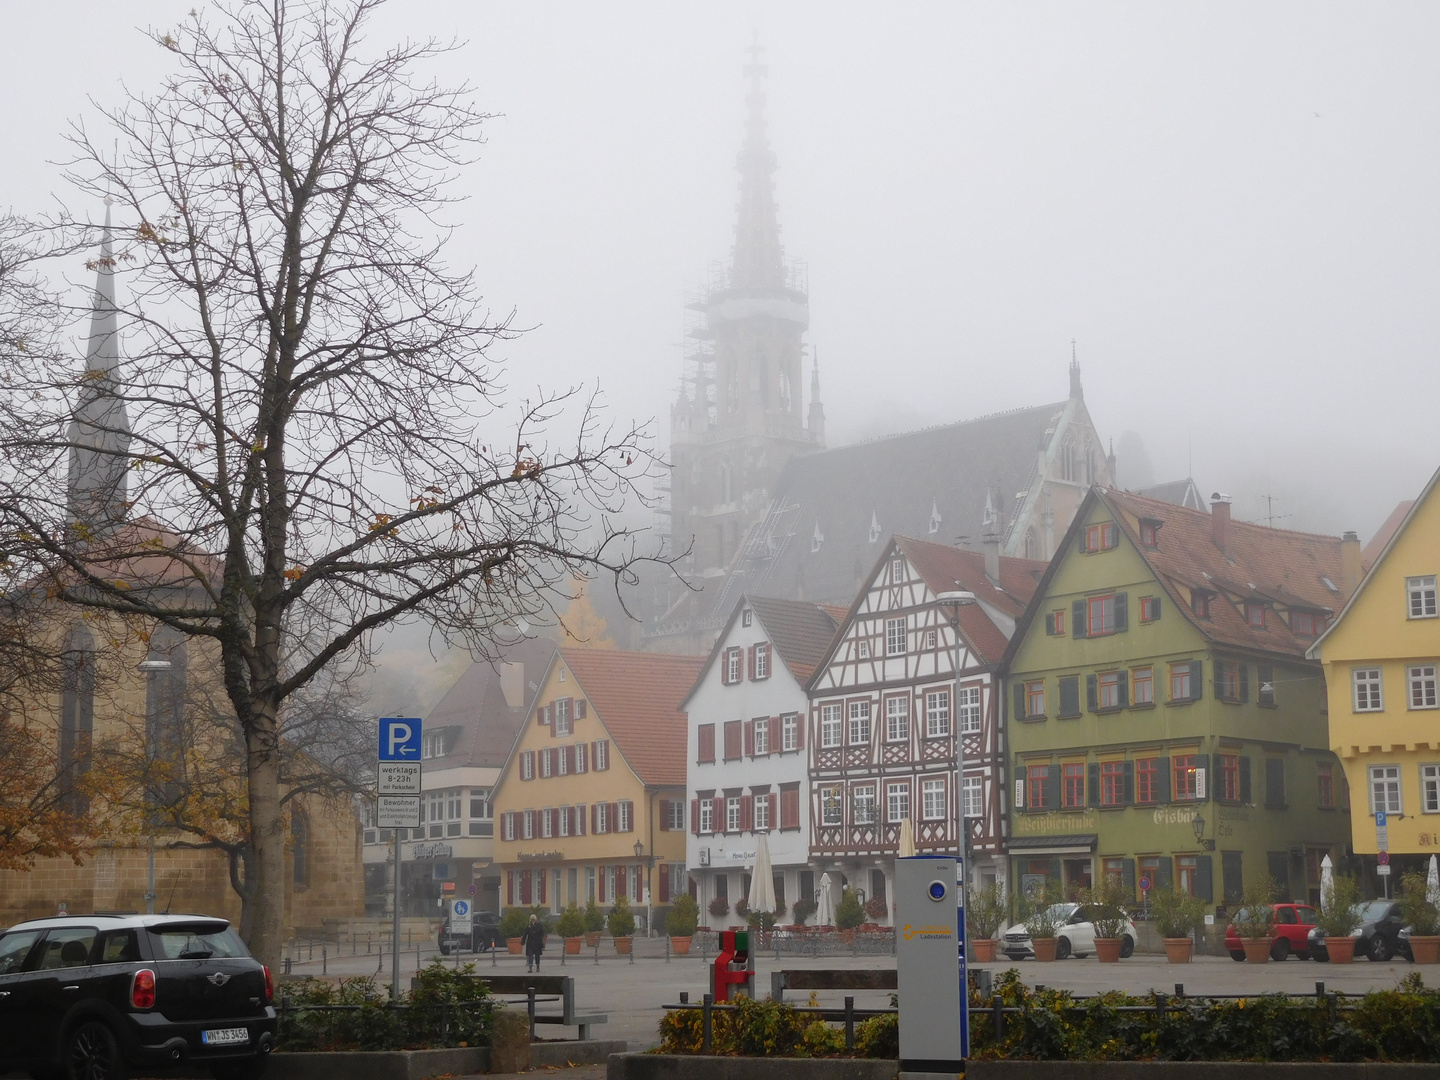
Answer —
1421 915
802 910
512 925
877 907
718 907
1256 920
848 915
681 922
621 923
742 909
1177 914
571 927
1108 918
1042 920
1338 917
985 913
594 923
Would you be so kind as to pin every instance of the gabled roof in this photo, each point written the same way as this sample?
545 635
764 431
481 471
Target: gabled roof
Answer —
800 631
1266 564
637 697
1314 651
947 568
1383 535
476 705
1180 492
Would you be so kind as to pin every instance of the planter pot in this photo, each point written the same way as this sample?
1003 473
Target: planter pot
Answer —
982 950
1341 949
622 945
1426 950
592 938
680 946
1044 948
512 945
847 936
1257 950
572 945
1178 949
1107 950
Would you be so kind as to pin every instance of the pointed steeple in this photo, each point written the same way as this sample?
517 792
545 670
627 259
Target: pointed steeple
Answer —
1076 390
757 261
99 434
815 421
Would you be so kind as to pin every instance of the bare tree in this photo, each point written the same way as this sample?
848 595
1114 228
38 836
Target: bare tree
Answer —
305 439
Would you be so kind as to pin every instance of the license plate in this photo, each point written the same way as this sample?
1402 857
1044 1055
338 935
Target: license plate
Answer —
225 1036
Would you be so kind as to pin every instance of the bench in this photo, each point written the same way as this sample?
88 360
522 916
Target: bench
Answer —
553 986
832 979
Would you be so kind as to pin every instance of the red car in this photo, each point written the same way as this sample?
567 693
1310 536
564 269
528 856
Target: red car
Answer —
1293 923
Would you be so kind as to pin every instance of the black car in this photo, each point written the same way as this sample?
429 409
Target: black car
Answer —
484 935
1377 937
98 995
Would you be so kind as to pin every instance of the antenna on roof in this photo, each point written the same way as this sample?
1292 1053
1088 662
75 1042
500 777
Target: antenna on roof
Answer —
1270 516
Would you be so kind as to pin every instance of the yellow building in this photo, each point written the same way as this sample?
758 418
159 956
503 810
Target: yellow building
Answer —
590 803
1380 657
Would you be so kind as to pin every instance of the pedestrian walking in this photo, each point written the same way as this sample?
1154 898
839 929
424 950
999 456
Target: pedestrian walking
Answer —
533 942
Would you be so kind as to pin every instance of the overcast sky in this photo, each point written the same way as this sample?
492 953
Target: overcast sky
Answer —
1231 208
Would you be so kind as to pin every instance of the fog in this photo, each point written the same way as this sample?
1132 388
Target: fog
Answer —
1229 209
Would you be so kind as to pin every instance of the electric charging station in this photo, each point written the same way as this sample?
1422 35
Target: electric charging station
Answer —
930 964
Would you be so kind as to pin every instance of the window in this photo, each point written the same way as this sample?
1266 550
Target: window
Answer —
790 732
547 818
746 617
862 805
969 710
1072 792
1112 783
1183 681
1150 533
1055 623
1430 788
562 717
1255 614
897 800
1100 616
761 736
859 723
1142 686
1200 603
762 660
830 812
1186 873
1230 679
894 637
626 822
1265 685
1147 780
830 725
603 824
1187 776
733 737
1035 780
707 814
731 667
674 815
732 813
1385 789
1368 695
562 760
434 745
897 570
529 825
761 812
1421 680
863 648
507 825
1149 608
1109 690
937 713
1306 624
1421 594
971 792
602 755
1325 785
930 639
547 765
1229 790
1035 698
527 765
1100 537
705 743
897 719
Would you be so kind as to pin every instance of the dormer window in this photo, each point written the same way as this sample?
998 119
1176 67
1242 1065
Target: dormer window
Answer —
1150 532
1307 623
434 745
1255 614
1200 603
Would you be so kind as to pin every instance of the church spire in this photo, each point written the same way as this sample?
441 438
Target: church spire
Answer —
815 421
99 433
757 261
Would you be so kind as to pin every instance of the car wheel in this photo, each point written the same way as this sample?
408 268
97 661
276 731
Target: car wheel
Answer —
1062 948
91 1053
1379 949
444 949
1280 950
251 1068
1237 954
1127 947
1320 956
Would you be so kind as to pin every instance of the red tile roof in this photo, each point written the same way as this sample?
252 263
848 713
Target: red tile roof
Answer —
799 630
1384 533
947 568
637 697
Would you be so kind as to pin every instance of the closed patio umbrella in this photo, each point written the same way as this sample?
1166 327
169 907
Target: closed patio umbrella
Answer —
762 881
1432 883
824 905
907 839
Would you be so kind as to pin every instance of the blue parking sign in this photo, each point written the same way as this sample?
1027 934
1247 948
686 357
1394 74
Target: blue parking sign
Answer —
399 739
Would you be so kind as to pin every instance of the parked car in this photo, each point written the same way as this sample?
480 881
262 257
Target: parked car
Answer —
1377 937
1402 944
1293 923
1074 936
94 996
484 935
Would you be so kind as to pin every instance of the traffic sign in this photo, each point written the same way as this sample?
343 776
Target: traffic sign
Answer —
1383 870
397 812
459 916
1144 884
398 778
1383 858
399 739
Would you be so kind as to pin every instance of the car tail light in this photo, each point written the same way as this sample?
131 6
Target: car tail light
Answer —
269 984
142 989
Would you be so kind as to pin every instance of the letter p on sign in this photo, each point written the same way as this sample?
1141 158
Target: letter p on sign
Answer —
399 739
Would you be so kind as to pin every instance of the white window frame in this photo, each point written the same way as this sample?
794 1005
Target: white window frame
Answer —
760 737
563 819
972 793
507 822
602 755
863 649
528 829
832 724
527 765
937 713
762 660
932 799
1420 680
895 635
547 826
897 718
562 761
547 766
707 815
832 805
624 812
560 725
862 805
760 812
970 712
858 728
897 569
676 821
1367 689
602 817
1384 781
732 813
733 666
897 801
1430 789
1420 597
790 732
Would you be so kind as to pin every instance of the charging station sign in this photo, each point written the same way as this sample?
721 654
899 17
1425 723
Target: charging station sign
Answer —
929 943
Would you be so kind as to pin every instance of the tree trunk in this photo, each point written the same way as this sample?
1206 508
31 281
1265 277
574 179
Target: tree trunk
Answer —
265 882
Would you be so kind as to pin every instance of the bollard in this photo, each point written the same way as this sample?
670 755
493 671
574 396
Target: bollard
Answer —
494 954
999 1013
706 1032
1319 990
632 951
1159 1005
287 965
1180 991
597 953
684 997
849 1023
324 959
530 1008
667 950
417 959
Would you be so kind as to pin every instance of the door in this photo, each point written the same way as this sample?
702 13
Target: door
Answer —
15 1041
57 983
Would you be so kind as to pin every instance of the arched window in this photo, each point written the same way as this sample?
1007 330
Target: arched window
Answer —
726 484
77 713
1067 459
300 847
1032 545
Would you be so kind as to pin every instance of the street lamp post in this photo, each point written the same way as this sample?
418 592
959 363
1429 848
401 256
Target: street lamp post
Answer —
151 668
649 862
962 836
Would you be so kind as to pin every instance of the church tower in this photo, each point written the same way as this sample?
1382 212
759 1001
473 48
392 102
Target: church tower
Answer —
740 415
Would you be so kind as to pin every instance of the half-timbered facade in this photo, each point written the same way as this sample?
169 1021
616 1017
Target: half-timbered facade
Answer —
907 674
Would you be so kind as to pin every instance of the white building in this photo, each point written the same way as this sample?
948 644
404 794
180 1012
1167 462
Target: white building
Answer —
747 769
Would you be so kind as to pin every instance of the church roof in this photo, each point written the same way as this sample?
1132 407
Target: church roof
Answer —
476 705
1180 492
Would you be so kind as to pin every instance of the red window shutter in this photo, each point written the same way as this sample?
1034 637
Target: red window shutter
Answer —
664 871
717 812
612 823
580 708
600 883
540 884
630 816
749 728
695 816
750 663
801 722
773 808
693 886
607 752
705 739
594 824
747 804
664 815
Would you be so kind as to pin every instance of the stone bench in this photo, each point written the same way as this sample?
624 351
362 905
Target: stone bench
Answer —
553 986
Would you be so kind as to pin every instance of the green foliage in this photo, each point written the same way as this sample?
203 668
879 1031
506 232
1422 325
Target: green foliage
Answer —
594 917
848 913
1416 908
684 916
1176 912
514 921
620 920
718 907
1107 897
1038 912
802 910
572 922
446 1008
768 1029
1339 912
879 1037
1257 918
985 911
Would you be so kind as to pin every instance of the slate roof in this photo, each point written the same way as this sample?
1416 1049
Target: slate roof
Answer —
637 697
896 482
475 705
1180 492
799 630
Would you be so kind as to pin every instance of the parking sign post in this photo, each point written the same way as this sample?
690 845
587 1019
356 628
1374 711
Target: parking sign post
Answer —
397 806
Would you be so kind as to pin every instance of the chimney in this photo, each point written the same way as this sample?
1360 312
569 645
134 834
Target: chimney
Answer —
1350 569
1220 521
990 542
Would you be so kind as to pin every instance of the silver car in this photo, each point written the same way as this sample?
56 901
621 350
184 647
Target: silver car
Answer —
1074 934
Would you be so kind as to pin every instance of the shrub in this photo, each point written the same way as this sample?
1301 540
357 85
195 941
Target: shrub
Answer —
742 907
848 913
1257 918
879 1037
802 910
985 911
1339 912
620 921
719 907
684 916
1109 918
1416 908
572 922
514 921
1038 911
1178 913
594 917
877 907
